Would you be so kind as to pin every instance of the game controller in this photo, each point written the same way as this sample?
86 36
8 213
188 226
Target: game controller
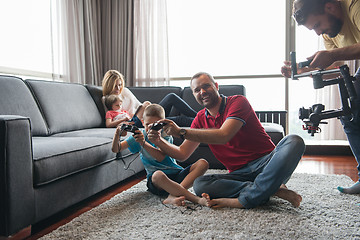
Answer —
157 126
129 128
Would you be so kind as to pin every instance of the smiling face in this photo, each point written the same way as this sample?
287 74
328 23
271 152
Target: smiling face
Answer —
117 87
326 23
205 91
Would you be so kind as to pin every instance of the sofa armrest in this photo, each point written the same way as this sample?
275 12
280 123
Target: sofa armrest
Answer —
17 201
278 117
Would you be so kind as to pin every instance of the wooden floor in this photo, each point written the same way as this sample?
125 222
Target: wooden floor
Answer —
329 165
309 164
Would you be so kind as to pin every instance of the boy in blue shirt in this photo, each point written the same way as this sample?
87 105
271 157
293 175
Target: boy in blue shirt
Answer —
164 175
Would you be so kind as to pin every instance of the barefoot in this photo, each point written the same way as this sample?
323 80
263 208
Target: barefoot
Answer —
222 202
203 201
290 196
177 201
206 197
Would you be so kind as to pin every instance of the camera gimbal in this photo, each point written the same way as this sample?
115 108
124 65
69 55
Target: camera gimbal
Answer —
313 116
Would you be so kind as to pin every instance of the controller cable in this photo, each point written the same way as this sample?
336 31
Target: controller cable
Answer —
119 155
188 209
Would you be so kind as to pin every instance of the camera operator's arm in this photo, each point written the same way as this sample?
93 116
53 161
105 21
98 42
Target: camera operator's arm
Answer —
154 152
326 58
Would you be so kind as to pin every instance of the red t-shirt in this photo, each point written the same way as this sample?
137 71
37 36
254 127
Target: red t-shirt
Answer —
249 143
116 115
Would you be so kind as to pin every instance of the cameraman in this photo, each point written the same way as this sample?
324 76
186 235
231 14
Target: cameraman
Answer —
338 21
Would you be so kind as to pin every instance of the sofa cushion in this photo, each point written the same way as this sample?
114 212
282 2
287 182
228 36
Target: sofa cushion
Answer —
227 90
92 132
96 94
16 99
58 157
66 106
275 131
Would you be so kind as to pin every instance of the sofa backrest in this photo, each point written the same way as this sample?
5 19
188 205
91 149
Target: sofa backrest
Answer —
96 94
156 94
227 90
65 106
16 99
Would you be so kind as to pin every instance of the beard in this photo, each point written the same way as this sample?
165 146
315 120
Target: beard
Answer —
211 100
335 25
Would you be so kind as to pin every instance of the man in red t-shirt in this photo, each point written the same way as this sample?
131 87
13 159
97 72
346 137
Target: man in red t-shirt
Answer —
257 169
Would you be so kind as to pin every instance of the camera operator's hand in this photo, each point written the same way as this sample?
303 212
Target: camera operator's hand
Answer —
286 69
323 59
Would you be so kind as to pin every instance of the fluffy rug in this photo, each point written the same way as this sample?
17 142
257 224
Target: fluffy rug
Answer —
324 213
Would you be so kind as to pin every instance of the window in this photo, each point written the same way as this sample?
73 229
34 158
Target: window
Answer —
228 39
241 43
25 44
302 92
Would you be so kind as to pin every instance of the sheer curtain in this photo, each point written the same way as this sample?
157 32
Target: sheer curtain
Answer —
330 97
76 37
151 66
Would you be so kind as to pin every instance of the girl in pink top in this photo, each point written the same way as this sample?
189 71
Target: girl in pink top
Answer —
115 115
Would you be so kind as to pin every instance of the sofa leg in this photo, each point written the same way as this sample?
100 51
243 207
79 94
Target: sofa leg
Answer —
22 234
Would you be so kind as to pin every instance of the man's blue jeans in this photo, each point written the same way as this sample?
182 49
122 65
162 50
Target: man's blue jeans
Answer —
351 124
256 182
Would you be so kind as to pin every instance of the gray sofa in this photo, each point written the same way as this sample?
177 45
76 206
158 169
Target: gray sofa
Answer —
55 150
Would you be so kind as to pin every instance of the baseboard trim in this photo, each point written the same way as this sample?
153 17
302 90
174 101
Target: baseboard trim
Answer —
22 234
337 150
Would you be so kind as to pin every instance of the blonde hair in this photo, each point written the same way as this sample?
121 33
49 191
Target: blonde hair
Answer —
154 110
109 81
110 100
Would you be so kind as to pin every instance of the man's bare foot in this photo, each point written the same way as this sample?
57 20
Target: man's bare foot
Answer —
177 201
222 202
289 195
206 197
204 201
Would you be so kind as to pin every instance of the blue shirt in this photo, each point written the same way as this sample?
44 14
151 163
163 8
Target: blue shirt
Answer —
168 165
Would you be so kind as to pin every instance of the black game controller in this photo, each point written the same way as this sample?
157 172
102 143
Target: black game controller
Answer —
157 126
129 128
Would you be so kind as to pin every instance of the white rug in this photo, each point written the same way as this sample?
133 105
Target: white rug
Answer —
324 213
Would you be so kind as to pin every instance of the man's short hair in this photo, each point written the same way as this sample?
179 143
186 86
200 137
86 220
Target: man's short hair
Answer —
197 75
303 8
154 110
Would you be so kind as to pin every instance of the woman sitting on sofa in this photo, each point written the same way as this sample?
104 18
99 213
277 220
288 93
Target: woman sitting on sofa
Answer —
114 83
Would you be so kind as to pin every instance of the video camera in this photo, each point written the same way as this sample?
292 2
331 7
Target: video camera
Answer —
312 116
